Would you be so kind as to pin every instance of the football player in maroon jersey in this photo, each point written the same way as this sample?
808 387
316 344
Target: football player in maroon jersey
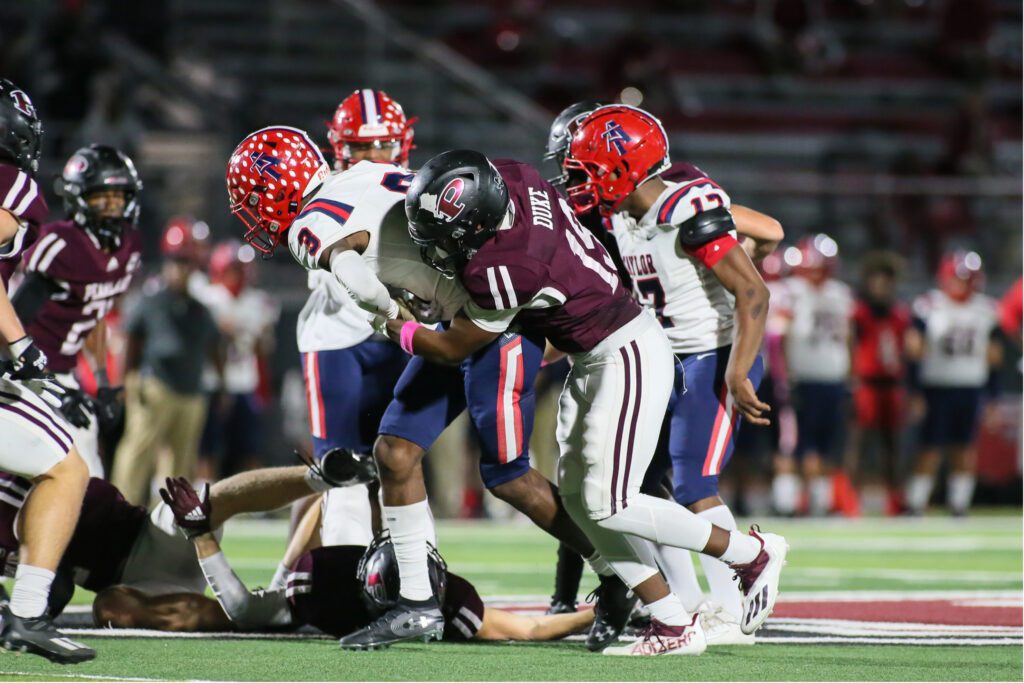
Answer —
517 248
75 272
36 443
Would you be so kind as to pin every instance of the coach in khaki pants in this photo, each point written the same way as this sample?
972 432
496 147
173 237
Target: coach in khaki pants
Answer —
170 337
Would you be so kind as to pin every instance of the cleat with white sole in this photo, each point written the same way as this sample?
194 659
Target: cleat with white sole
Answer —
660 639
759 579
721 627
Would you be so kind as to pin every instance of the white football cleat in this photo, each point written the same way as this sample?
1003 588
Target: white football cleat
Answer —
662 639
759 580
721 627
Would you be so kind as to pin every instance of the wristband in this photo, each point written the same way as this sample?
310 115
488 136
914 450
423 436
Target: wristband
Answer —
405 337
18 346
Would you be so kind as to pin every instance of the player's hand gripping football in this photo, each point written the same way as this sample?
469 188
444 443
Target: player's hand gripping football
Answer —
747 402
191 510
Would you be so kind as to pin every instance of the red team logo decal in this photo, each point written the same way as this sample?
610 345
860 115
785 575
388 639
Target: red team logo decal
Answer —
22 103
448 205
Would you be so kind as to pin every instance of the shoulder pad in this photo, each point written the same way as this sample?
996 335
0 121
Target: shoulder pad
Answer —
706 226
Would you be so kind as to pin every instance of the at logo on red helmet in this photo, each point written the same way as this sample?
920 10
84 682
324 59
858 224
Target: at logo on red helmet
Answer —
615 135
448 206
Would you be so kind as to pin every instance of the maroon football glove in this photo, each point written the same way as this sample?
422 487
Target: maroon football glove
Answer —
191 510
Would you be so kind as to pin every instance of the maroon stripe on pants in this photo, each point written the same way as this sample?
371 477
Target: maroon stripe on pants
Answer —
17 411
39 411
636 417
622 424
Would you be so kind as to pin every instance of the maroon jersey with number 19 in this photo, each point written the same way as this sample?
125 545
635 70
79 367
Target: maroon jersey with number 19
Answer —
547 268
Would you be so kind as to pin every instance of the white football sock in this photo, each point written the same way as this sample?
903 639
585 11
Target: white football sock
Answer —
820 496
669 611
660 521
677 566
31 591
743 548
280 579
411 526
785 493
919 491
721 578
961 491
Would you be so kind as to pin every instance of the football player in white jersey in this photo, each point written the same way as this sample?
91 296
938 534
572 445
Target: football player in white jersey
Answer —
353 225
349 372
712 304
952 337
818 310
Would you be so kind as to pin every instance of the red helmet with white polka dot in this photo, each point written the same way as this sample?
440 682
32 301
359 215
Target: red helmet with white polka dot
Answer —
370 117
268 175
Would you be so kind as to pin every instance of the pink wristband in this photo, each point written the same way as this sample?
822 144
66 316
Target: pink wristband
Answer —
405 337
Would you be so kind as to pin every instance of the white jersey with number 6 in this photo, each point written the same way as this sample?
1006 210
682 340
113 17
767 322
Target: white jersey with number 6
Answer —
370 197
956 339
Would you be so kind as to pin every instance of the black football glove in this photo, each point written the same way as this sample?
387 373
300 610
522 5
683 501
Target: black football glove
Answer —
108 406
29 361
191 510
76 406
339 467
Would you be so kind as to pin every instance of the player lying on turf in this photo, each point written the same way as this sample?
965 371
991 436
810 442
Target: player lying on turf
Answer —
340 589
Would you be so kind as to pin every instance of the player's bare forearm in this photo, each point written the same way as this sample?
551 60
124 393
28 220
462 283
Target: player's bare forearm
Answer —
445 347
762 232
96 348
260 490
499 624
206 545
737 274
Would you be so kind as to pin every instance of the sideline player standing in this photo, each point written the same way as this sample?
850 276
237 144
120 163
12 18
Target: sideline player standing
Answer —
522 255
354 225
75 272
819 310
36 440
952 337
705 297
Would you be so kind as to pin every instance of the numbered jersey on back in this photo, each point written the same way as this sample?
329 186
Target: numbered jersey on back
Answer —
89 281
370 197
818 330
956 339
546 271
678 285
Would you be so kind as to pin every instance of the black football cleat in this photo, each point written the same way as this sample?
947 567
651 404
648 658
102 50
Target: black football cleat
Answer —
38 636
559 607
611 612
401 623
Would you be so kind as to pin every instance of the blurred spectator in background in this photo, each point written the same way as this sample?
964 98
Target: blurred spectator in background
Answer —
880 325
953 338
170 336
817 309
1011 310
245 317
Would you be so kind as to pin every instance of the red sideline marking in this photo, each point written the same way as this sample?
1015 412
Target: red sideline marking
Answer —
919 612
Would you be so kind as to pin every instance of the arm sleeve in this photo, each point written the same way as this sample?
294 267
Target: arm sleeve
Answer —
361 282
256 609
30 296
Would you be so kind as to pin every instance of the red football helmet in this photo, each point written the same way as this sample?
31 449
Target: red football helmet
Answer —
815 258
961 274
613 151
773 267
370 117
177 241
229 265
269 174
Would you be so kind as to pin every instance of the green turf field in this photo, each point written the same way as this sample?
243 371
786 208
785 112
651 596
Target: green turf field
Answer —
974 565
